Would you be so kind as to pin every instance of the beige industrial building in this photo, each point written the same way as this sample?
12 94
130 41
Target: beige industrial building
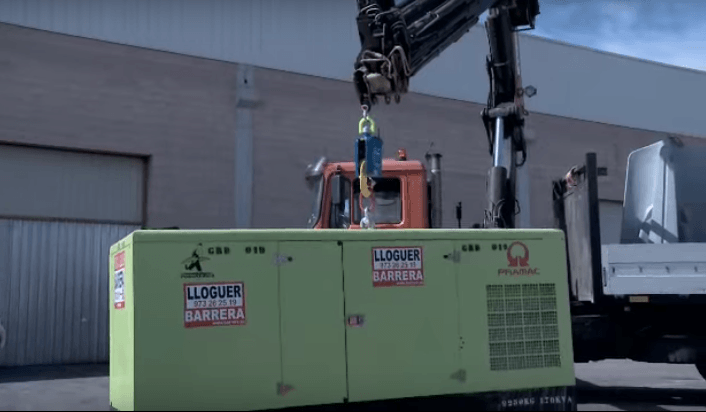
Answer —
189 114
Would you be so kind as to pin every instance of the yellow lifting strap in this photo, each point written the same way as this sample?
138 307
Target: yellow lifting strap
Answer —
364 190
364 181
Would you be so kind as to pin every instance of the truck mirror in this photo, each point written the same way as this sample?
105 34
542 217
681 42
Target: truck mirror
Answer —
337 188
314 171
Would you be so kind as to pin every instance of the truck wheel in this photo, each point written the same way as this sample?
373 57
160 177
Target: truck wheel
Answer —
701 367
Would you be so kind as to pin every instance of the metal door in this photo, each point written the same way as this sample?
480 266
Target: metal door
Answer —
312 327
402 311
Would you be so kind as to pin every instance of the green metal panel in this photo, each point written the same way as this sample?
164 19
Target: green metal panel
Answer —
408 344
122 326
515 323
429 335
212 366
313 331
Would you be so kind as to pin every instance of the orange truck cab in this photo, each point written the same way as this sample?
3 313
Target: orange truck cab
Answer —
404 197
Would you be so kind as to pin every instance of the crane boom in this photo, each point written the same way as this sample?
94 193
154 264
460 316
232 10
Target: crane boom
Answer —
399 37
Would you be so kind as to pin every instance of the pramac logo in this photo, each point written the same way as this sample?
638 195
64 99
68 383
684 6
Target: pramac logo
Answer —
518 256
521 260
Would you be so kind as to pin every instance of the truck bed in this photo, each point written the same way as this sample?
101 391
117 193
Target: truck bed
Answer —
654 269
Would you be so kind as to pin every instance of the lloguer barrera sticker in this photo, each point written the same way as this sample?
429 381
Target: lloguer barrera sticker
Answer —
214 304
398 266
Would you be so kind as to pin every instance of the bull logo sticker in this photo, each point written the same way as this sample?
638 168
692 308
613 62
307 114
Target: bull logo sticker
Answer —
518 264
194 261
193 264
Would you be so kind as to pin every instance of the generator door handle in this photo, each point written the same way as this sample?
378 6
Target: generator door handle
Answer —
356 321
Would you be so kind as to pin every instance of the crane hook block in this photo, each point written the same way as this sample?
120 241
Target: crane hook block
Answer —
368 148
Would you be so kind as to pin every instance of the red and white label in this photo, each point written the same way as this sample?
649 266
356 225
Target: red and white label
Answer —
214 304
398 266
119 281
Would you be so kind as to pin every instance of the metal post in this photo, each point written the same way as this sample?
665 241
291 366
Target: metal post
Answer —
436 193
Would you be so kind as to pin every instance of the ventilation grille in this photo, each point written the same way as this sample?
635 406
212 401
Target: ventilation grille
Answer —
523 327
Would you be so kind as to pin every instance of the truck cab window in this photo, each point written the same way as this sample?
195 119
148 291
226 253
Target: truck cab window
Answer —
388 204
340 216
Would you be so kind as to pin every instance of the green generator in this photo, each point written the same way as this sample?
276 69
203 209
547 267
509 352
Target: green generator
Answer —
276 319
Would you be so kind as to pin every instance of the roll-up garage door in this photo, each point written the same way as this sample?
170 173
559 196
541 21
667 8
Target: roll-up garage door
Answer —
59 213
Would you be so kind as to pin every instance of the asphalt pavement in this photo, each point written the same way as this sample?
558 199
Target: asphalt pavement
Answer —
61 388
621 385
614 385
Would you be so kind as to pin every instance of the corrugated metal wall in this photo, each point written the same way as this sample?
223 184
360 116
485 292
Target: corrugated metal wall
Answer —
54 291
319 37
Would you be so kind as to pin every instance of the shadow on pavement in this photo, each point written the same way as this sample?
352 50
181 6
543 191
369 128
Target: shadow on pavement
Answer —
40 373
647 398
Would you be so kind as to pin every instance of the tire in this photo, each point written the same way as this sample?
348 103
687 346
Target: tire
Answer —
701 367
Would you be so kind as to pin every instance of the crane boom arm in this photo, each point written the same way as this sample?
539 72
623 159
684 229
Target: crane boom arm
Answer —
399 37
